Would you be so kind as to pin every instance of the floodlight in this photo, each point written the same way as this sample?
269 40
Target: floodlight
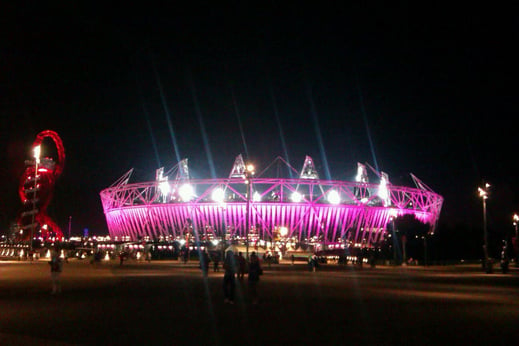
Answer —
218 195
186 192
296 197
164 187
333 197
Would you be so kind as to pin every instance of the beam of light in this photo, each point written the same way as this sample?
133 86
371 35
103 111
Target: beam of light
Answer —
207 291
152 136
168 116
280 128
317 128
201 122
238 117
148 124
365 118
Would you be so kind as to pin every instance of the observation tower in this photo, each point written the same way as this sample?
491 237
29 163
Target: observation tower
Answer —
36 189
249 208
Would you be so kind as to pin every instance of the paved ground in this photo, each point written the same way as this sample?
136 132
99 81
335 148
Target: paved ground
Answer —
168 303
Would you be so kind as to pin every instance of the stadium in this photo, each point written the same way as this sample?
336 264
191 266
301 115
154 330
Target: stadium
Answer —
249 208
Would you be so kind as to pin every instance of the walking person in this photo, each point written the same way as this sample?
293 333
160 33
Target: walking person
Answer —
254 275
242 266
216 262
229 282
204 262
56 267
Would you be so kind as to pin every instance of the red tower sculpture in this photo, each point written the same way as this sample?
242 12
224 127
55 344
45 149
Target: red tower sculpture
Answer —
36 190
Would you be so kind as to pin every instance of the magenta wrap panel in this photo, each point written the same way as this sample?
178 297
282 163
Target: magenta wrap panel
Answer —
358 215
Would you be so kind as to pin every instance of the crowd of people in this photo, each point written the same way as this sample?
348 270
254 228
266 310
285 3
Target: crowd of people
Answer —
235 267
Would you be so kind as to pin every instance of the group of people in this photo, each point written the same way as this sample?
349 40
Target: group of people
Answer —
235 266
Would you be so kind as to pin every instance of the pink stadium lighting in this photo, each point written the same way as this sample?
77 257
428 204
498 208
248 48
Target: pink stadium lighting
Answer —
339 211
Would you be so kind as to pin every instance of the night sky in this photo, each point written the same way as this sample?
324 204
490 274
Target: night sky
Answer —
424 90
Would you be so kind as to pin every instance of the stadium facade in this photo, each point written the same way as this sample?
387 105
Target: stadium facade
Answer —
249 206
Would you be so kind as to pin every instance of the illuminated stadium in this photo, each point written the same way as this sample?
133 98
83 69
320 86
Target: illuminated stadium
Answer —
249 206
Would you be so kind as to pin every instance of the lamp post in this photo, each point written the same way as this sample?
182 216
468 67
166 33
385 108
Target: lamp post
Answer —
393 214
516 219
516 240
36 154
249 173
483 193
69 226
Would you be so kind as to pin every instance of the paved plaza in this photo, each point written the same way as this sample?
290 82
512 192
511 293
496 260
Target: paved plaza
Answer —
166 302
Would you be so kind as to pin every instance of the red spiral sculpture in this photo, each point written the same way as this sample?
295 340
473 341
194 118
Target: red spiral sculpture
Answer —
36 194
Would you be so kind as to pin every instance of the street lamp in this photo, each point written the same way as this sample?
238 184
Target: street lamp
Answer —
483 193
516 219
69 226
36 155
393 213
249 173
516 240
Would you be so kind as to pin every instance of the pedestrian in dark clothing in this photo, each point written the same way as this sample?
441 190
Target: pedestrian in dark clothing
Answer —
204 262
229 282
254 275
122 255
56 267
242 266
216 262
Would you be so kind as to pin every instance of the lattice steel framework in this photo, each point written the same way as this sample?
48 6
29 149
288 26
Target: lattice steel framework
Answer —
39 195
140 210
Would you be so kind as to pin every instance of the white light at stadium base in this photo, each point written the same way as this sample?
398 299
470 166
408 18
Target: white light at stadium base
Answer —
218 195
186 192
296 197
283 231
256 197
333 197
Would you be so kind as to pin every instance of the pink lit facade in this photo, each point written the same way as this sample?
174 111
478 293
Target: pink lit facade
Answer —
358 215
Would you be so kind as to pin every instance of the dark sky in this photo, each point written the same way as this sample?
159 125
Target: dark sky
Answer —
434 86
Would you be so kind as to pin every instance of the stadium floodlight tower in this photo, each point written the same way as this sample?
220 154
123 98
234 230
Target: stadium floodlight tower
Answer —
362 192
163 184
383 191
